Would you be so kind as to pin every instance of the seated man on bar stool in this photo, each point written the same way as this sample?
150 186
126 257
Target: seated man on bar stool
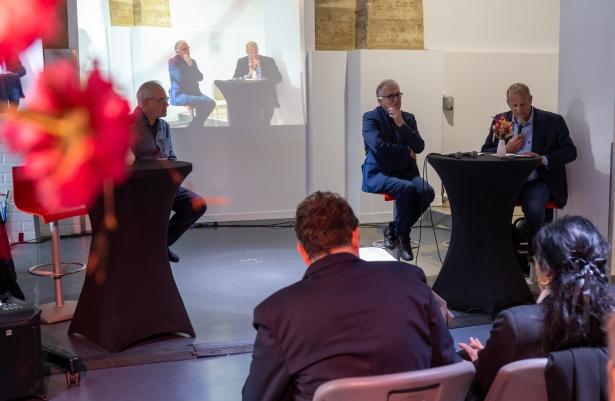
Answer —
541 134
152 140
392 141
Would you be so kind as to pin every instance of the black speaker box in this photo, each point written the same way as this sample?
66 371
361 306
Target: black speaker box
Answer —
21 371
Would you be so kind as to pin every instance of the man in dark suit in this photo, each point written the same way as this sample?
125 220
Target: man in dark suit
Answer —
541 134
258 67
392 141
346 317
11 71
185 77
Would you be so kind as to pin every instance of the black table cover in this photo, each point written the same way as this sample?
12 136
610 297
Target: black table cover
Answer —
246 99
480 272
129 292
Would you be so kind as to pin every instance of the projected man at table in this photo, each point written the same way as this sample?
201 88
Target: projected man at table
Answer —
11 71
258 67
185 77
392 141
541 134
152 140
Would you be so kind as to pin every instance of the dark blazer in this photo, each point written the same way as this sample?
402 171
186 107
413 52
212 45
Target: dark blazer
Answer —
550 138
10 84
577 374
517 334
184 78
269 70
345 318
387 148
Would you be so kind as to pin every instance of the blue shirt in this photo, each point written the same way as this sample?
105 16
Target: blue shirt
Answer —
151 141
528 130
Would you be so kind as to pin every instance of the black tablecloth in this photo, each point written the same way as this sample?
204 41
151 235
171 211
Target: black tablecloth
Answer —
129 292
480 272
246 99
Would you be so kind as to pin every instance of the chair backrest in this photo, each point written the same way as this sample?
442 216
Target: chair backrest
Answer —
445 383
26 199
520 380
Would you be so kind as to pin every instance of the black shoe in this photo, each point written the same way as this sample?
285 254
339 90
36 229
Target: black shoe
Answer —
405 249
390 238
173 257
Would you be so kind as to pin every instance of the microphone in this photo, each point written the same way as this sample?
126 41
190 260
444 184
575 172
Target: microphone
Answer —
458 155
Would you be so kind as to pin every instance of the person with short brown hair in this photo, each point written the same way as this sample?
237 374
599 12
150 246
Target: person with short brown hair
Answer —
346 317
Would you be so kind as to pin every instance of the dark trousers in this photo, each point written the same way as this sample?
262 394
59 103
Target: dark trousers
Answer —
533 197
188 207
203 106
412 198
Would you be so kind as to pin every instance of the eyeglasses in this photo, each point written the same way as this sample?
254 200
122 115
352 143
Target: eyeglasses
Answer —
162 100
184 48
392 96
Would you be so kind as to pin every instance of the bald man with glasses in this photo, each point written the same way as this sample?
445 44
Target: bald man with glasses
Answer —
152 140
392 141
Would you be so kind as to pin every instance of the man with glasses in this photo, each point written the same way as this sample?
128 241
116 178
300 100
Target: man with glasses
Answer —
185 78
152 140
392 141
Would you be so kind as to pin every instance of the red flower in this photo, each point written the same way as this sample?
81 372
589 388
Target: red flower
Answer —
24 21
73 138
502 128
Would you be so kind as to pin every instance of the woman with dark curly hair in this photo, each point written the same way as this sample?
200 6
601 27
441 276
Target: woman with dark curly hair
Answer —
570 262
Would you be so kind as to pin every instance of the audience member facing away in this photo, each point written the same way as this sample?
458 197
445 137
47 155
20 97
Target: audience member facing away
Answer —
255 66
185 77
346 317
570 262
152 140
392 141
541 134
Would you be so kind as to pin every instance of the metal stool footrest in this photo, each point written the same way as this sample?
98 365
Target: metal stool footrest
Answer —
38 270
380 244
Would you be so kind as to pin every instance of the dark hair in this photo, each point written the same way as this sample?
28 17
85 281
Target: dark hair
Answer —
324 221
574 252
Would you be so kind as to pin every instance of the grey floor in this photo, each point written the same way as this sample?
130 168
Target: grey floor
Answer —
223 274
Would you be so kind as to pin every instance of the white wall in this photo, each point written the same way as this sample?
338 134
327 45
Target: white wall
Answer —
492 25
587 102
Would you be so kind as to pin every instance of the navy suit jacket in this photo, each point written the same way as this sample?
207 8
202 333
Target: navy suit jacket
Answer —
550 138
345 318
184 78
269 70
387 148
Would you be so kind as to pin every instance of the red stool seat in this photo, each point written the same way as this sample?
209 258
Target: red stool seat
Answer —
388 197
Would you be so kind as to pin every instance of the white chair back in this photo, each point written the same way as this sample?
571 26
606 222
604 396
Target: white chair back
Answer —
445 383
521 380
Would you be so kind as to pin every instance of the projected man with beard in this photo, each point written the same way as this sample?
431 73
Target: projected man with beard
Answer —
258 67
185 78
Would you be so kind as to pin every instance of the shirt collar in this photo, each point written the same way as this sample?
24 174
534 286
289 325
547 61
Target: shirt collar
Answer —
326 261
530 121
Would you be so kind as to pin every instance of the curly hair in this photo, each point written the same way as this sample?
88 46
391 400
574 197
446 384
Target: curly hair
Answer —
324 221
574 252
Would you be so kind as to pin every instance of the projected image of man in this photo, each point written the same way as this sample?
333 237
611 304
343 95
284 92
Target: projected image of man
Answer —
185 77
11 71
255 66
392 141
152 140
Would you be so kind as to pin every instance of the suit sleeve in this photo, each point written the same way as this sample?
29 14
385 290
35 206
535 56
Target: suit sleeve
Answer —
238 70
374 140
269 379
500 349
443 350
565 151
410 135
490 144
